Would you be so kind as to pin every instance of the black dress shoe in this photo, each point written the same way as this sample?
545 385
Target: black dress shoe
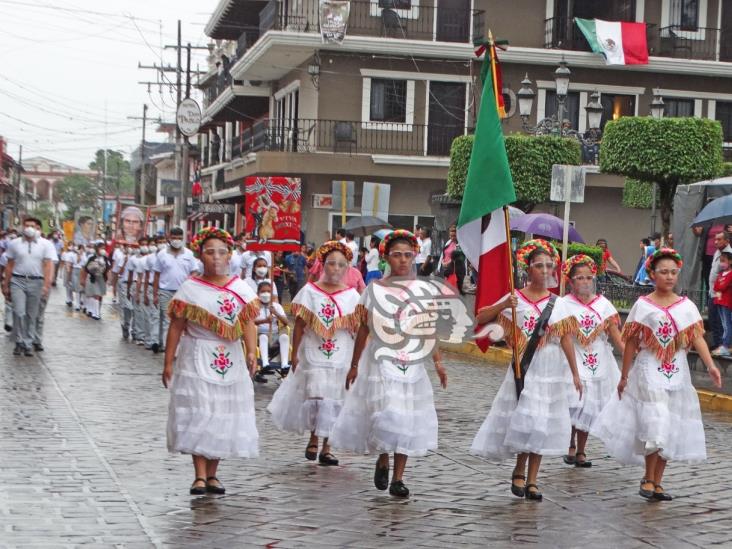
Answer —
198 490
648 494
18 349
259 378
661 496
38 347
381 477
8 328
327 459
398 489
516 490
535 494
584 462
27 351
212 488
155 348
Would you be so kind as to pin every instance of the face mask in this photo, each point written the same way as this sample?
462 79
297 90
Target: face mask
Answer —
176 244
144 249
135 251
29 232
265 297
261 271
153 249
162 245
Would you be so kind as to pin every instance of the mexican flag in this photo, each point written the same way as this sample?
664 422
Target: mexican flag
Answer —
481 227
621 42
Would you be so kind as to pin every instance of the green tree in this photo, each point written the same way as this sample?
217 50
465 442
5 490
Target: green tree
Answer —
44 212
118 171
669 151
530 159
77 191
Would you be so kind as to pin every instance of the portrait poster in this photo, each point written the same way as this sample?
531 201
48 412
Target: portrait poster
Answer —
333 20
131 223
85 227
273 213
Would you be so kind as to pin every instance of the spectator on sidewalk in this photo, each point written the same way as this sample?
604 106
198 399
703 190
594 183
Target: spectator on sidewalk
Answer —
296 264
372 261
608 261
424 256
723 301
721 244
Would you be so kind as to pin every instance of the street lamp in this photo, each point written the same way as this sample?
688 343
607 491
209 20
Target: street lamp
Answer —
594 111
525 98
657 106
561 79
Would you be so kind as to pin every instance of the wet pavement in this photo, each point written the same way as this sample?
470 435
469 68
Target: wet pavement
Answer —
83 461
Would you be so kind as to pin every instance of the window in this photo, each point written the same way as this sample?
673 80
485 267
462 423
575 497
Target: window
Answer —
615 105
571 107
674 107
388 100
724 116
685 14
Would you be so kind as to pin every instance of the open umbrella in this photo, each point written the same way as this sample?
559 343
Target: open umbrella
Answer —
543 224
717 211
366 224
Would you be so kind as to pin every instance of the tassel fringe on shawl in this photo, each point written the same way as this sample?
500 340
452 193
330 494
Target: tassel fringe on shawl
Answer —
202 317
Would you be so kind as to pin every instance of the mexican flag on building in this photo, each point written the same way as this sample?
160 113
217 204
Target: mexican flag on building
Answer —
489 187
621 42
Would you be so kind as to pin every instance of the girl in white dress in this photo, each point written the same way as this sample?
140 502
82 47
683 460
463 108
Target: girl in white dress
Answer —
311 396
538 422
390 406
655 416
211 412
595 321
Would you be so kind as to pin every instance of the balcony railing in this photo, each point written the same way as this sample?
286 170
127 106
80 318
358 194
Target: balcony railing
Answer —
683 44
340 136
672 41
384 18
210 94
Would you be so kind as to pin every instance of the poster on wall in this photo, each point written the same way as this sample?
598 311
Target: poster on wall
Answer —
273 213
131 222
375 200
333 20
85 227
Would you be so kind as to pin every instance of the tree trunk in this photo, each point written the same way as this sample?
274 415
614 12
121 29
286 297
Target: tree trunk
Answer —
667 191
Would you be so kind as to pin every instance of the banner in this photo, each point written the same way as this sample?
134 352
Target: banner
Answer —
131 222
273 213
333 20
85 227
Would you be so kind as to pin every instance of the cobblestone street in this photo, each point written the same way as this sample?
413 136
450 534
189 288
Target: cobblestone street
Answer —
82 448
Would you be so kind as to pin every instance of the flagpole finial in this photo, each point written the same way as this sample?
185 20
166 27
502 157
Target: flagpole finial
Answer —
490 37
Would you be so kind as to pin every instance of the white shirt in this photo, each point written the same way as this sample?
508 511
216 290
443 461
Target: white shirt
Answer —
174 269
716 268
118 257
372 260
264 313
425 250
29 255
248 259
354 250
254 284
235 263
130 267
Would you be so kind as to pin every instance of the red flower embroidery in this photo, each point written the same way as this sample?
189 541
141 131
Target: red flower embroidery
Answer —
665 332
227 307
328 347
590 361
402 361
221 363
668 368
529 325
327 313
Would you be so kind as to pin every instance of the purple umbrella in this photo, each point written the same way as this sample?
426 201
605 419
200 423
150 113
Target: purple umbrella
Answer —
542 224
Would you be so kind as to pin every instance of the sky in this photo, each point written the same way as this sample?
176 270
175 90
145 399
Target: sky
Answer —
69 72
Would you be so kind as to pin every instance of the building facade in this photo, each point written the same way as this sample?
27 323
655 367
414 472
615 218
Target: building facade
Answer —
384 105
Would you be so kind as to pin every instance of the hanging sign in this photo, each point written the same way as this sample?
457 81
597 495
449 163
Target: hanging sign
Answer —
273 213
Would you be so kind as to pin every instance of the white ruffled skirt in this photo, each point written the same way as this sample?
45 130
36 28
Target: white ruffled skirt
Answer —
309 399
384 413
209 419
650 418
596 392
538 422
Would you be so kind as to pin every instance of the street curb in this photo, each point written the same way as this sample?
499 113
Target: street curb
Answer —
709 401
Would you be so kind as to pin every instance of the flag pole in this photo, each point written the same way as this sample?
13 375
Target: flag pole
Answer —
514 343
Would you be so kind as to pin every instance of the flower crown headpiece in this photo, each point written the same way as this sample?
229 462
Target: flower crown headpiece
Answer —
398 233
522 254
210 232
669 253
579 259
334 245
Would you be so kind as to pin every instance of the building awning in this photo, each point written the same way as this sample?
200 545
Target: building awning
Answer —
162 209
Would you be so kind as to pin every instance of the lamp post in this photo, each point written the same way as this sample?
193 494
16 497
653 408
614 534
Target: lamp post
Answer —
555 124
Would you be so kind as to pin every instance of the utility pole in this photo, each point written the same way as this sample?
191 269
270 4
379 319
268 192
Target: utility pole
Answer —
186 176
18 180
143 147
180 202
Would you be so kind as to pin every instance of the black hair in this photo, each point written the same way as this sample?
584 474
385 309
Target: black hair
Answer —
728 255
84 219
254 265
362 249
577 266
262 284
600 240
646 241
726 235
349 235
34 220
536 252
341 232
656 236
427 232
375 241
176 231
396 240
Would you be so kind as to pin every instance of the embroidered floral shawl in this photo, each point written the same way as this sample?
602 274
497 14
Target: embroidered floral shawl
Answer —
325 313
220 309
527 315
664 330
590 319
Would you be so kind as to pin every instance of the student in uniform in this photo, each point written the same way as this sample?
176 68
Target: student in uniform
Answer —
271 316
